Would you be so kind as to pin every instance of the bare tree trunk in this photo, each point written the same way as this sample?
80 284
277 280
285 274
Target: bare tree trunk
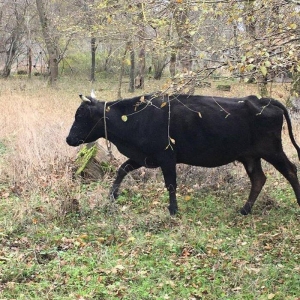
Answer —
10 56
132 67
107 59
122 71
50 44
173 64
93 55
14 40
140 78
29 62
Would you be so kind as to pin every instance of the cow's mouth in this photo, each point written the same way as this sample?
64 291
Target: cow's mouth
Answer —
73 143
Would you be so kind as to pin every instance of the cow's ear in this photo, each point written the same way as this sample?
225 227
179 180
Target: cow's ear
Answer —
84 99
93 94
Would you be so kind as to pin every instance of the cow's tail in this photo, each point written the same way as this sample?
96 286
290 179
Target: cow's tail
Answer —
289 125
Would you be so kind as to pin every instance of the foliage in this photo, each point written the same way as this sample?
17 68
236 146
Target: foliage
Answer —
139 252
253 40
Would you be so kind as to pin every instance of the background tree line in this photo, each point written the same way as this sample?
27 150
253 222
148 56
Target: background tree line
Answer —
190 40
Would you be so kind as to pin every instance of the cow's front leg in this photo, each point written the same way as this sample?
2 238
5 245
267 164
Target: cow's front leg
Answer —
128 166
169 172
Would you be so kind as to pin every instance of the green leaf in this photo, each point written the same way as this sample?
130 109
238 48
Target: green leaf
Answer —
267 63
250 67
263 70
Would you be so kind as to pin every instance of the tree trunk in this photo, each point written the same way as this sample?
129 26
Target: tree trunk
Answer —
132 67
173 64
140 78
184 58
10 56
181 14
295 86
93 55
50 44
122 71
29 62
7 68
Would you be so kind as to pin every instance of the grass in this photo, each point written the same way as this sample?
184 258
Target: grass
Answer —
61 239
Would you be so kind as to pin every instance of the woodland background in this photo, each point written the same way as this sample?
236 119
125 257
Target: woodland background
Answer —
254 40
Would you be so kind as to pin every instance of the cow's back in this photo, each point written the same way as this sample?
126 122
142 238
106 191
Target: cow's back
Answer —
211 131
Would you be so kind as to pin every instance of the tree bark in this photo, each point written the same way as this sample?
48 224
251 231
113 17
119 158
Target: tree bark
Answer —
50 44
29 53
140 78
93 56
10 55
132 67
122 71
181 15
173 64
184 58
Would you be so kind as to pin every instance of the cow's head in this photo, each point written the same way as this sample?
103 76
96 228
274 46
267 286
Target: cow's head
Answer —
88 124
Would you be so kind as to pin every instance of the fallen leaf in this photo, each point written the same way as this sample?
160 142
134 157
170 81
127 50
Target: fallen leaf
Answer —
130 239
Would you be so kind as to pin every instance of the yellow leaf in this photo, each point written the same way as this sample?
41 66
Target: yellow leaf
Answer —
130 239
142 99
187 198
199 113
163 104
271 296
172 141
124 118
293 26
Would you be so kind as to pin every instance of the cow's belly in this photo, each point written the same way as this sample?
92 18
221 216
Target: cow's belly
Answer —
211 157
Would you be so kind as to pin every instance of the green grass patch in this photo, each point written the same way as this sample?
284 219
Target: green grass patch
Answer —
135 250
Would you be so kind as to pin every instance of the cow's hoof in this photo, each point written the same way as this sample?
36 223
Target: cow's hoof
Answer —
244 211
113 196
173 210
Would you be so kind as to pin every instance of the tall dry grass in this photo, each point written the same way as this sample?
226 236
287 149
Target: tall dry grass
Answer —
33 126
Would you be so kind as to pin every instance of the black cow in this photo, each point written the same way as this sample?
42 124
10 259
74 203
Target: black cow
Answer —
161 131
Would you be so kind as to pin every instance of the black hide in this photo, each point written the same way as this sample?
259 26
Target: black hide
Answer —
161 131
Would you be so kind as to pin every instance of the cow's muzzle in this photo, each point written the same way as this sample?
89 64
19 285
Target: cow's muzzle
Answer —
73 142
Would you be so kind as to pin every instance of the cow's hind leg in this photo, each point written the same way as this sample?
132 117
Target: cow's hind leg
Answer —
257 178
169 173
287 169
128 166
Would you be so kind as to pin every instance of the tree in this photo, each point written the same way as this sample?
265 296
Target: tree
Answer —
13 32
51 45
